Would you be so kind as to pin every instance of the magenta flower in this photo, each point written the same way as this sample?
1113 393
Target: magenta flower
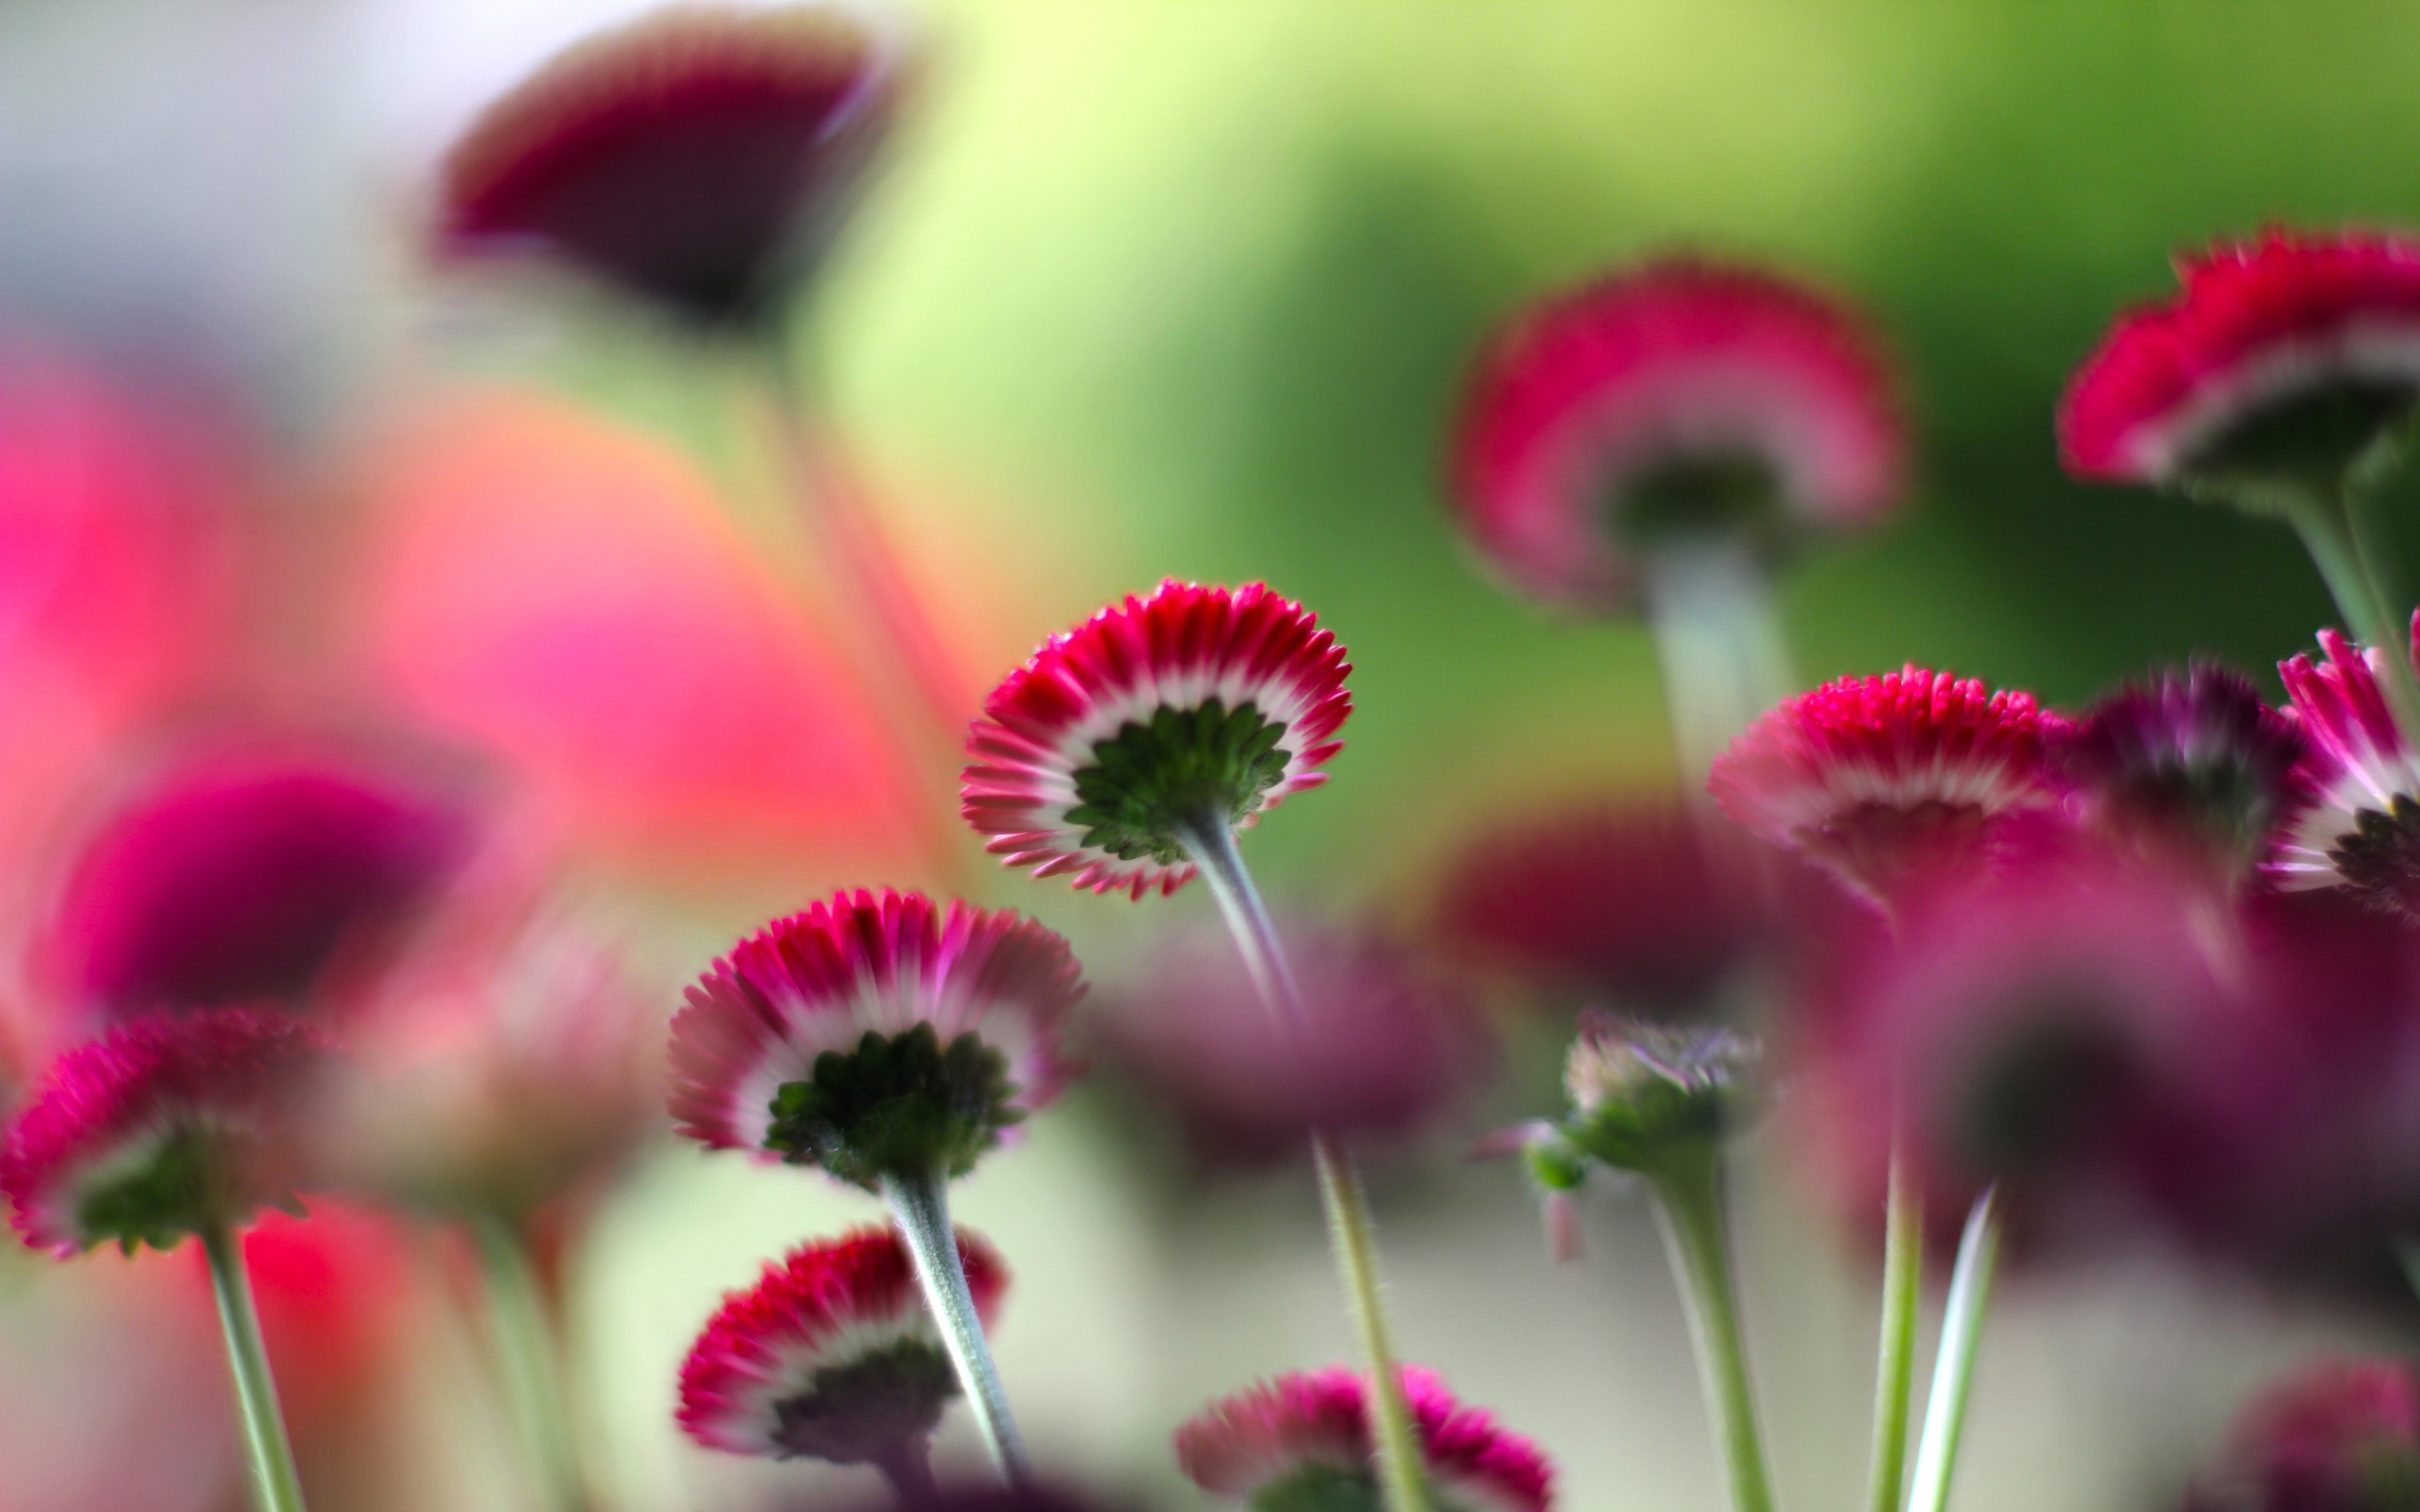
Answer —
2289 353
249 877
1195 706
695 157
2342 1436
2364 830
832 1354
1882 779
875 1034
158 1129
1303 1438
1679 399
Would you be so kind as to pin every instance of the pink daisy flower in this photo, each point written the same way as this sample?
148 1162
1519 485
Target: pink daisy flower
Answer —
155 1131
1194 706
875 1034
1679 399
832 1354
1308 1431
693 156
1881 778
2364 832
2282 356
2342 1436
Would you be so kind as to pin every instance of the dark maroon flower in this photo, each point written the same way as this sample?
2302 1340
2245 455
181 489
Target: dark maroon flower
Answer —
1388 1044
695 157
248 876
2343 1435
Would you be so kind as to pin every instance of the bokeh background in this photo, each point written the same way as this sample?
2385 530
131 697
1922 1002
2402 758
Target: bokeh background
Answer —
1188 288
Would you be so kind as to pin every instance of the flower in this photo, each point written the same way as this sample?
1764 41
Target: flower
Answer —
1681 399
693 157
875 1034
2364 832
2189 763
1386 1044
157 1129
2342 1436
1618 900
1304 1440
2284 361
1878 779
831 1355
1195 706
248 876
1639 1091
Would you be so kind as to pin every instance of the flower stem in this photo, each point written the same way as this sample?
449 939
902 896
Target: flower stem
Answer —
1352 1233
529 1361
1903 1252
919 1205
1953 1370
2326 525
908 1467
269 1454
1689 1190
1720 643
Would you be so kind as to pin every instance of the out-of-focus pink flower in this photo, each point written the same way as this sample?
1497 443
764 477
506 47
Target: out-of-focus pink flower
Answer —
250 873
2364 832
1678 399
832 1354
1388 1044
2342 1436
697 157
1885 780
2190 766
157 1127
1278 1444
875 1028
1613 901
1194 706
2288 352
570 596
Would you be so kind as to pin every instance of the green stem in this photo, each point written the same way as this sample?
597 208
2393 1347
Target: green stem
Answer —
1688 1188
1352 1233
1719 642
2325 525
269 1454
920 1206
1953 1369
529 1361
908 1467
1902 1256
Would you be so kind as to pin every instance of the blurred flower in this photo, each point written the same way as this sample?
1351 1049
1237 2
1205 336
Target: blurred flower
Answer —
1386 1044
1680 399
832 1354
698 157
1887 780
156 1130
1639 1091
2284 361
2189 766
1618 900
1303 1440
488 1077
249 875
2364 833
874 1035
2343 1435
1194 706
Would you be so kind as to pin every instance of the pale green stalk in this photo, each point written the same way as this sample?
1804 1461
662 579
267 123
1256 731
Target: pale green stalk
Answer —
268 1452
528 1362
1953 1369
1689 1201
920 1206
1903 1252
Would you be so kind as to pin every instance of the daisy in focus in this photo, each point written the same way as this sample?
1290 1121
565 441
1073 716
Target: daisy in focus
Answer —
2363 832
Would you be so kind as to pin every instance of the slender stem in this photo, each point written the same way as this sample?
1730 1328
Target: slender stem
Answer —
919 1205
1953 1368
1720 643
1352 1233
908 1467
529 1361
1688 1188
1902 1258
269 1454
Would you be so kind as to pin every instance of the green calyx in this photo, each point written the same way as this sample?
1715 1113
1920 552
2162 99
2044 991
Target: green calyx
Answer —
1148 780
897 1105
863 1411
175 1189
2381 858
1320 1489
1702 496
2311 445
1642 1095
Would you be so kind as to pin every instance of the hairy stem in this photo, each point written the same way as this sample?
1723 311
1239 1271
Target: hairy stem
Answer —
1690 1200
1953 1369
529 1361
268 1452
1903 1255
920 1206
